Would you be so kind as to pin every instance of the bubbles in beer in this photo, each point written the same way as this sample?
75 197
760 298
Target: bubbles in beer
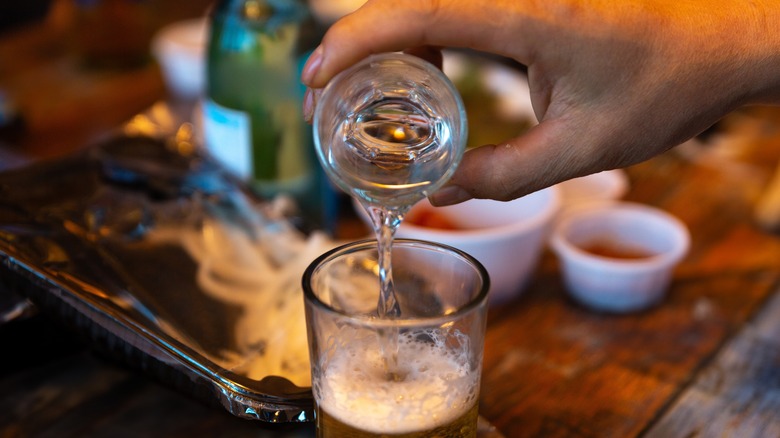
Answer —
434 386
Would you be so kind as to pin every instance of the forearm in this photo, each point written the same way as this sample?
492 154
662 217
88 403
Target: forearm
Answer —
738 44
766 82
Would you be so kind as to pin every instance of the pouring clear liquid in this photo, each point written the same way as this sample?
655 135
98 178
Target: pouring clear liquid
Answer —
390 131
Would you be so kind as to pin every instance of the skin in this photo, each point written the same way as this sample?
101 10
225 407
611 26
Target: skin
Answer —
612 83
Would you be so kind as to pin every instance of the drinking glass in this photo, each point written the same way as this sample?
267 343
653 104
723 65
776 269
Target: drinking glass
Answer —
390 130
416 375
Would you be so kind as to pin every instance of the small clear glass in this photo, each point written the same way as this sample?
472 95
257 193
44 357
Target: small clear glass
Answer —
390 130
431 389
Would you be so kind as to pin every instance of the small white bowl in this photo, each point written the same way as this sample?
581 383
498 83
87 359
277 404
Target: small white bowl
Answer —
180 49
506 237
609 185
638 249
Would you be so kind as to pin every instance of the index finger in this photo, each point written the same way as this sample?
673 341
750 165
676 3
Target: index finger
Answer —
394 25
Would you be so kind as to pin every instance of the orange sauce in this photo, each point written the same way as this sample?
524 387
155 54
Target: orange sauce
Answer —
430 218
614 250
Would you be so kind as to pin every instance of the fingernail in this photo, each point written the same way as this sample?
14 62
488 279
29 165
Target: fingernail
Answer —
449 195
308 105
312 66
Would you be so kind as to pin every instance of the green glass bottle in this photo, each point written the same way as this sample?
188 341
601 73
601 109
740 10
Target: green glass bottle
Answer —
253 120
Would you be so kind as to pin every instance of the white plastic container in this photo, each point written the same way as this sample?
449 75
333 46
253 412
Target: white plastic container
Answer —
619 282
180 48
506 237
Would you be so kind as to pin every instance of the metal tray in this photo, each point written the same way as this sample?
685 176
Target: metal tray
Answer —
72 241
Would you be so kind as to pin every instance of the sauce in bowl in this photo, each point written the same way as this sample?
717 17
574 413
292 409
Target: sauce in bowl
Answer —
614 250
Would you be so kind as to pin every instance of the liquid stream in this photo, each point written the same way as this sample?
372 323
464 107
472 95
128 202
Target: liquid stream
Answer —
399 149
393 143
385 223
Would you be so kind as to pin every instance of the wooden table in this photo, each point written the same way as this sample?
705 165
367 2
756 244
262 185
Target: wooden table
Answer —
706 362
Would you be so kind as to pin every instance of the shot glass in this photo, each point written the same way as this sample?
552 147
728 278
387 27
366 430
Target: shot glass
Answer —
415 375
390 130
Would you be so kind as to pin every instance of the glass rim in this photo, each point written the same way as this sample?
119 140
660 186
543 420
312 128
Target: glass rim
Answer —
474 303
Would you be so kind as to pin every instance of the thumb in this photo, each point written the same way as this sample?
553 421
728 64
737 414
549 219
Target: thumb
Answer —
543 156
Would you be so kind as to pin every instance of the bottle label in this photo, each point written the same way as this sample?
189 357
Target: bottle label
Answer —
228 137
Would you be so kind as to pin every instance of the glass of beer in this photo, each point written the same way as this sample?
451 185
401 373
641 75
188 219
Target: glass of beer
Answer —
412 375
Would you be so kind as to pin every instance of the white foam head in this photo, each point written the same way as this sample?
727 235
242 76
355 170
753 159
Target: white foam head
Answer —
439 386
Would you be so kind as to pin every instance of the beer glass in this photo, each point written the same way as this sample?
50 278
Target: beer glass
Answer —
415 375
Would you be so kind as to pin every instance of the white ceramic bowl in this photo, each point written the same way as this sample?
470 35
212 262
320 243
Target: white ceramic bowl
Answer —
609 185
180 49
619 257
506 237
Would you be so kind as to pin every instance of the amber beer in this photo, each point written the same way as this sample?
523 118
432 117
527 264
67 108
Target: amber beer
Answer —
463 426
431 393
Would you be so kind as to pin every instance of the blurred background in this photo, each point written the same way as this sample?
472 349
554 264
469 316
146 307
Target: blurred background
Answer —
72 69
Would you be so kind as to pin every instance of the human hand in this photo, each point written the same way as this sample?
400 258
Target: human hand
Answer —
611 84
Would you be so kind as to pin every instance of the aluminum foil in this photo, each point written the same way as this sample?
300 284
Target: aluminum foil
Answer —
75 240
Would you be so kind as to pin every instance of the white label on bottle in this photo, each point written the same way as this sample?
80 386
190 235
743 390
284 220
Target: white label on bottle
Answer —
228 137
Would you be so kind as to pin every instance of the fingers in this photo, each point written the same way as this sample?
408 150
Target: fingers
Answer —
388 26
310 99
